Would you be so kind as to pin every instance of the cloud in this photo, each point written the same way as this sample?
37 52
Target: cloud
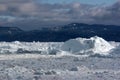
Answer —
108 14
31 14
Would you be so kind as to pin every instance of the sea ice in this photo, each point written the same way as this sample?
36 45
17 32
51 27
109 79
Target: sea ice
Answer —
83 45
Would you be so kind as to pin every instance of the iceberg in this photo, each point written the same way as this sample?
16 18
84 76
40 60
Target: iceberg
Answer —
92 45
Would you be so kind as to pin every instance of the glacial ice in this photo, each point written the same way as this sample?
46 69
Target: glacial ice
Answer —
82 45
17 64
73 46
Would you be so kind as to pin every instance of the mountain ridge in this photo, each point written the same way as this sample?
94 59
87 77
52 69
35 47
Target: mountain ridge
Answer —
61 33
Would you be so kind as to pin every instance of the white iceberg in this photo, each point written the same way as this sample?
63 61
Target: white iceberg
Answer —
83 45
92 45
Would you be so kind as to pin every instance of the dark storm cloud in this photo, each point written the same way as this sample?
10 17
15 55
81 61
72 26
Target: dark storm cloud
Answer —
30 13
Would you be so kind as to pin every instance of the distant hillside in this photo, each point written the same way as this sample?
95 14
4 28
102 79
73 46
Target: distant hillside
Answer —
8 33
61 33
10 30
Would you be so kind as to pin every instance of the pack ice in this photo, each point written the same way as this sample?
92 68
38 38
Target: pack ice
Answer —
94 45
22 63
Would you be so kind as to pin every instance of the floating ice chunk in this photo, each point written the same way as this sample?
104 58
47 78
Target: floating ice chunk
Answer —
83 45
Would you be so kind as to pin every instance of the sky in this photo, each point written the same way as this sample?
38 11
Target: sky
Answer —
92 2
34 14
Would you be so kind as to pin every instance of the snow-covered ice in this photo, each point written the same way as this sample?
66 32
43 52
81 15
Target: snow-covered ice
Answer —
75 46
75 59
28 47
83 45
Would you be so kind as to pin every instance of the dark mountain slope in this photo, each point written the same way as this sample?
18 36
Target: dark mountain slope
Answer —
61 33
